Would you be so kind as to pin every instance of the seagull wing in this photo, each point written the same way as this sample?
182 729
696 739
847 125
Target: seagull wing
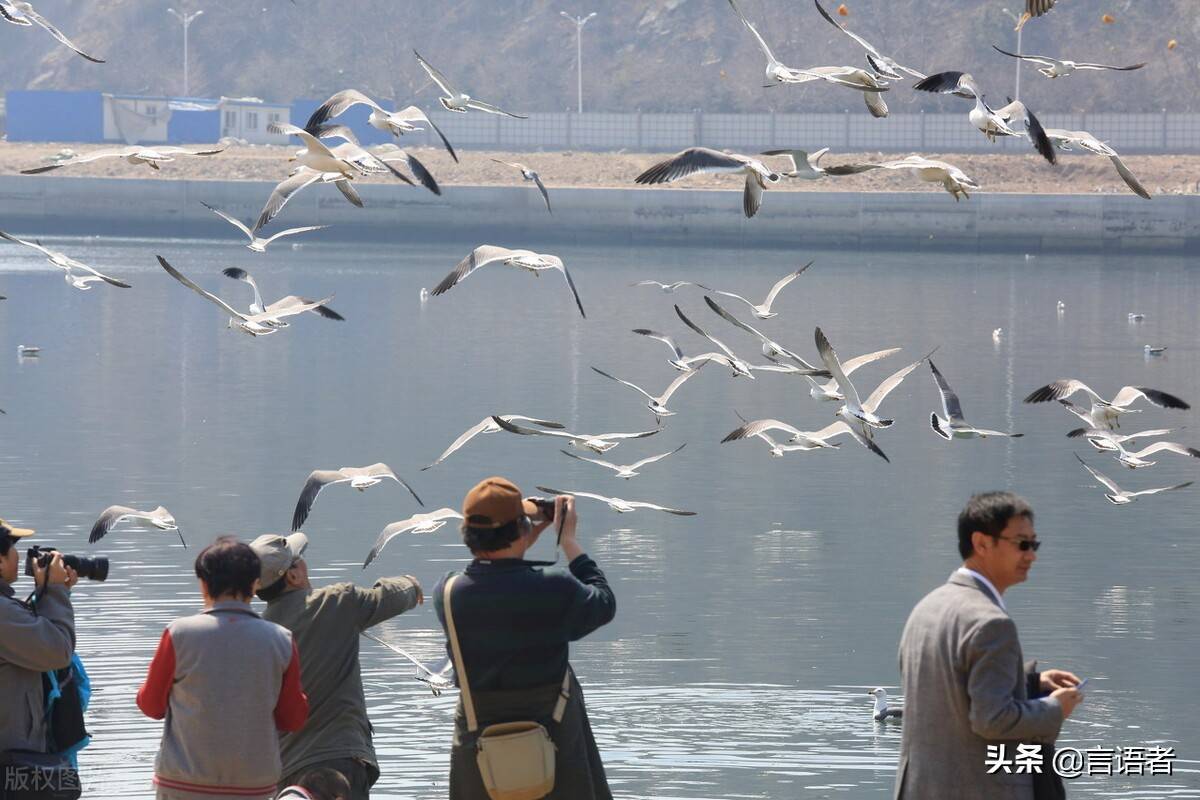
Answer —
654 507
652 459
423 174
1035 8
1049 62
689 162
93 271
759 426
212 298
840 427
829 357
48 253
865 44
950 82
239 274
381 470
838 170
414 113
607 436
1160 489
435 76
675 384
317 481
588 495
1037 135
511 428
1100 476
736 296
57 34
479 105
294 231
311 142
950 405
1086 65
108 518
467 436
752 196
850 366
601 462
762 43
289 306
561 267
1130 179
784 281
234 221
336 106
283 192
480 257
662 337
696 328
183 151
730 318
633 386
1062 389
885 388
96 156
1170 447
404 526
1129 394
796 157
348 191
537 179
875 104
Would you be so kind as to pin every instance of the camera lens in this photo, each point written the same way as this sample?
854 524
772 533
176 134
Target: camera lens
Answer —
92 569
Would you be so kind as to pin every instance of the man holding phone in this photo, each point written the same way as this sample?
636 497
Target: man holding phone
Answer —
514 620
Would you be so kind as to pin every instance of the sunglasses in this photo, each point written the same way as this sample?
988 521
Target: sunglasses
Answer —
1024 545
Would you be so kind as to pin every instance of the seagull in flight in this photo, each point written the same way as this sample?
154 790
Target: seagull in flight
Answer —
524 259
705 159
929 170
625 471
777 72
669 288
302 179
679 362
855 409
1119 496
991 122
1056 68
361 478
828 392
68 265
656 403
397 123
954 426
800 440
529 175
882 710
454 100
1133 460
1106 413
262 324
740 368
619 505
770 348
22 13
1106 441
257 306
159 519
805 166
417 523
257 243
137 154
1067 140
596 442
884 66
763 310
488 425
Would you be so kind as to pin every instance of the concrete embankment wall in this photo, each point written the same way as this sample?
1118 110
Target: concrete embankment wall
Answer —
515 215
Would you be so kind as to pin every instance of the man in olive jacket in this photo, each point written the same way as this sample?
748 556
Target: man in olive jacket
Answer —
30 643
326 624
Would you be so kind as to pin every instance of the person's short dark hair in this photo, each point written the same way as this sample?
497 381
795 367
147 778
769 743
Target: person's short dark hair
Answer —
228 566
988 512
6 544
488 540
325 783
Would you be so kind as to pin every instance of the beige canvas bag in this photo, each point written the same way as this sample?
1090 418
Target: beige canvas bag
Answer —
516 759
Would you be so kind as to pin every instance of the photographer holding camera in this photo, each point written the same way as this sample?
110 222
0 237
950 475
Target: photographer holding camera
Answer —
33 640
521 728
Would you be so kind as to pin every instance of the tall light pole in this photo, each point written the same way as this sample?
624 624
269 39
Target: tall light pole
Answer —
1020 29
187 20
579 23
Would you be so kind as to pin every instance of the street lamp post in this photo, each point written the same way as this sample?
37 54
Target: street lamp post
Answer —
579 23
187 20
1020 30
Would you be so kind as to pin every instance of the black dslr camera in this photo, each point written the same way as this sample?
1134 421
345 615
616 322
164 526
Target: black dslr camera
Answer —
544 506
94 569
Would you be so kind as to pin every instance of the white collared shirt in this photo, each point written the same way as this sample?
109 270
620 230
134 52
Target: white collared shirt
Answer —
970 573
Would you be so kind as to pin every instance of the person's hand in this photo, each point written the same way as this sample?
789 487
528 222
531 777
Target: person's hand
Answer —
59 573
565 510
1053 679
417 585
1068 697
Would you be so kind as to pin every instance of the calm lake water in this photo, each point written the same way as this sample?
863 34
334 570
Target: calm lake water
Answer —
747 636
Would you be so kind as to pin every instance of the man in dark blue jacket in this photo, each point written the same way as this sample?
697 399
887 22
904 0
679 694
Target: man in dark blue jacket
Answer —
514 620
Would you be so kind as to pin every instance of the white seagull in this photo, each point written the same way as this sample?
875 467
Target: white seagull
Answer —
397 123
770 348
19 12
1119 496
488 425
991 122
1061 68
705 159
361 478
954 426
529 175
656 403
619 505
454 100
1106 441
301 179
776 72
257 306
763 310
805 166
625 471
68 265
929 170
1105 413
596 442
882 711
740 368
523 259
1067 140
137 154
855 409
1133 460
159 519
679 362
669 288
884 66
417 523
828 392
800 440
251 324
257 243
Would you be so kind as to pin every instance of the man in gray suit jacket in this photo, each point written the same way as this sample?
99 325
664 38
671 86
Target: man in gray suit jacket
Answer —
965 685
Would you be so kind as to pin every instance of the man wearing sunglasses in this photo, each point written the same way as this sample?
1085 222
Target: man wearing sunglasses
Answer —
965 684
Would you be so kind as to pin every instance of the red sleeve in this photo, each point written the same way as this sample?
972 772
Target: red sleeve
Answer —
155 693
291 710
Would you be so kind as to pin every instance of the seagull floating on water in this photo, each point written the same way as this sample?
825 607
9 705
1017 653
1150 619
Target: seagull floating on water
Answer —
882 711
625 471
954 426
19 12
596 442
361 478
489 425
523 259
257 243
1154 350
417 524
28 351
454 100
68 265
619 505
1119 496
158 519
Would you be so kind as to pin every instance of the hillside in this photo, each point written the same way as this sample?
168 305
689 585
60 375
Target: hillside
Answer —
655 55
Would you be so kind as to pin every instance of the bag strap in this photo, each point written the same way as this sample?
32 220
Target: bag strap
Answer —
564 694
460 666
